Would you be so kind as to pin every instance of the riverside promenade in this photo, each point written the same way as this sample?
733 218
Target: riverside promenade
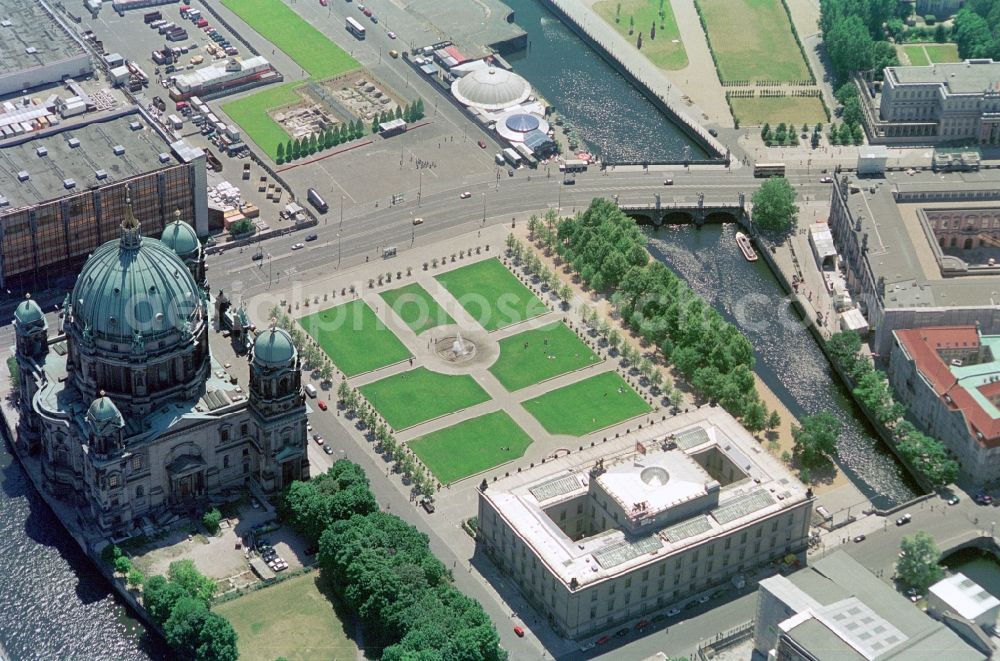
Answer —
652 80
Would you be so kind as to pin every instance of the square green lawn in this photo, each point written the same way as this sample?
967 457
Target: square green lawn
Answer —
355 339
419 395
471 446
774 110
916 55
251 113
752 40
491 294
293 619
662 47
311 49
942 53
536 355
416 308
606 399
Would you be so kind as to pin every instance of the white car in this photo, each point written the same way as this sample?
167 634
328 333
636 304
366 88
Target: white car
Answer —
392 35
298 246
418 221
466 195
673 612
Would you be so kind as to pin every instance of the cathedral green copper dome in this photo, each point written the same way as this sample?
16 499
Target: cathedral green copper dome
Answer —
28 312
133 288
180 237
273 348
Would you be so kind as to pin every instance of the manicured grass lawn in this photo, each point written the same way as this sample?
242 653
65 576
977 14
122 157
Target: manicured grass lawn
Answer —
354 338
491 294
310 48
292 619
250 113
471 446
606 399
536 355
417 308
942 53
419 395
752 40
797 110
666 50
916 55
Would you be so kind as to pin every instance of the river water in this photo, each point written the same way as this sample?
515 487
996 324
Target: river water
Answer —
613 118
53 603
788 358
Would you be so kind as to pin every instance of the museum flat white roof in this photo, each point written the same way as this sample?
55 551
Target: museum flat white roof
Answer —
964 596
649 474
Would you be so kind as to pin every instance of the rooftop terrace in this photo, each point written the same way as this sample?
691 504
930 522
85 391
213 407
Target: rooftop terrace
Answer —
73 157
31 37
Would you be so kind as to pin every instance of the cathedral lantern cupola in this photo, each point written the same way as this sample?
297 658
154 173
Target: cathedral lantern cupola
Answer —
105 426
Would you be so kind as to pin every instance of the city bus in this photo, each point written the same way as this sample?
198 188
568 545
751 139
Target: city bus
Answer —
355 28
769 170
314 199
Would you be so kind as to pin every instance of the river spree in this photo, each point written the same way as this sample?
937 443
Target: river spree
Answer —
788 359
611 116
53 603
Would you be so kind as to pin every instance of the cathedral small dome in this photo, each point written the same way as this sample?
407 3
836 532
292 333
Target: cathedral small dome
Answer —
103 414
273 348
180 237
28 311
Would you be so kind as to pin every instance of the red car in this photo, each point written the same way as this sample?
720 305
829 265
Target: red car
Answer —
519 631
642 624
321 404
603 640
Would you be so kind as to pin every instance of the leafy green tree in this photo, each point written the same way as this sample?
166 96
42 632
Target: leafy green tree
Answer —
122 565
849 45
918 566
281 153
399 113
197 633
195 584
135 578
159 596
773 420
296 148
774 208
211 520
815 441
755 417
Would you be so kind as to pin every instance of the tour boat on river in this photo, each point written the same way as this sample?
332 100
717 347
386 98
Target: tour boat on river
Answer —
743 241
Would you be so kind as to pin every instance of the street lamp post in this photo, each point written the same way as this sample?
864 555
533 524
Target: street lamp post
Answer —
420 185
484 209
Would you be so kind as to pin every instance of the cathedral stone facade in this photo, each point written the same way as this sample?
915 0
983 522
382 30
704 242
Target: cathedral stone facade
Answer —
129 413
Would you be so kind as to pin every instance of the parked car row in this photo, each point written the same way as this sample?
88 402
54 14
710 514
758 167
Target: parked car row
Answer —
271 557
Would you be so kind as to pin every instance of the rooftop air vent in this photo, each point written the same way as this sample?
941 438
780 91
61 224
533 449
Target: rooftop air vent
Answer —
100 174
3 201
73 143
118 150
42 151
23 175
135 126
6 23
164 157
30 50
69 183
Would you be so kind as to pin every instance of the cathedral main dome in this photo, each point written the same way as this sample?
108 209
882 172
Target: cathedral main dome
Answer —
134 287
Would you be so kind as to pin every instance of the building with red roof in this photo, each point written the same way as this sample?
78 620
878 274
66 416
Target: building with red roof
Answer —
949 377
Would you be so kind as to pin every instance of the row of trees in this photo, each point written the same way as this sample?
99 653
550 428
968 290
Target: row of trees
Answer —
385 442
311 353
179 603
383 570
309 145
607 250
411 113
923 452
977 29
854 36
